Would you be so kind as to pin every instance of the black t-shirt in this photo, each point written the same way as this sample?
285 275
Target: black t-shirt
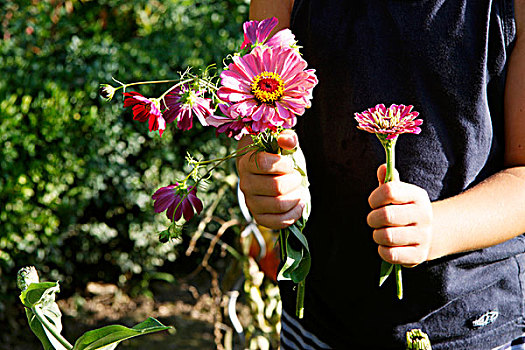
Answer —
448 59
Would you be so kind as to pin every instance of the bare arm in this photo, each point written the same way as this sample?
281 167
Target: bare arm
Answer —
495 209
410 230
282 9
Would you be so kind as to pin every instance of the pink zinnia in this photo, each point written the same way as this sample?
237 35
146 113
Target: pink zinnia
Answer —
145 109
182 103
269 88
391 121
257 32
169 198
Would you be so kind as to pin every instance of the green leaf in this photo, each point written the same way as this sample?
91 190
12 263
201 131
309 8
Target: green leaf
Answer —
300 272
37 293
49 342
293 259
42 296
299 234
107 338
386 269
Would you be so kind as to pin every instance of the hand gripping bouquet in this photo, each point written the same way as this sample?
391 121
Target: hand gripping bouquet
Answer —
261 92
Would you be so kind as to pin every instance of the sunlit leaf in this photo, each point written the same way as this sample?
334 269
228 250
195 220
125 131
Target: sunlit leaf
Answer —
107 338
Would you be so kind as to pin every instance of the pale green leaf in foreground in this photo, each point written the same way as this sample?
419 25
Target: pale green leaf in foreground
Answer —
107 338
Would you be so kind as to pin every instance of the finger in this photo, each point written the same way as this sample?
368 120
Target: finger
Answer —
287 139
408 256
381 173
397 215
397 193
269 185
280 221
397 236
266 163
273 205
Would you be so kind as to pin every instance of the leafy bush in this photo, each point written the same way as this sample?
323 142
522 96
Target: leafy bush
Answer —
77 173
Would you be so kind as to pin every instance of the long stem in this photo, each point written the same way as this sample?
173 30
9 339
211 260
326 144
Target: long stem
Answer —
390 160
50 327
389 146
218 161
299 307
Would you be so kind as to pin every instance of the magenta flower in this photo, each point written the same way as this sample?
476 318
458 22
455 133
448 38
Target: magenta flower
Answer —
232 125
177 200
145 109
391 121
257 32
268 88
182 103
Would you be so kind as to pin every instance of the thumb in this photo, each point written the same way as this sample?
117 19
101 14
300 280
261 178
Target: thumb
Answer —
381 173
287 139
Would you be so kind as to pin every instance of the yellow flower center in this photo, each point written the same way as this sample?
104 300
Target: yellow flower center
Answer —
388 121
267 87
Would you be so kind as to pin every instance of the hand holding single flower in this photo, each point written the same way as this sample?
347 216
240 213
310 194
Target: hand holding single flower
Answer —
401 217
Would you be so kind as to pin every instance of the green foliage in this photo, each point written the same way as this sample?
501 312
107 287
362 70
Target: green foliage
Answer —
76 173
107 338
44 318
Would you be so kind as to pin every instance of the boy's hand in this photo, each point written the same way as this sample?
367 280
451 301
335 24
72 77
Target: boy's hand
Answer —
401 217
271 185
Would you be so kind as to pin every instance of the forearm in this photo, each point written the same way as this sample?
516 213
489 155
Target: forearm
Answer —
490 213
261 9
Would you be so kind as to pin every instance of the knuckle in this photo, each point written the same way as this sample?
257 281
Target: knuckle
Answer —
281 205
388 254
388 236
276 186
244 185
387 214
264 162
389 190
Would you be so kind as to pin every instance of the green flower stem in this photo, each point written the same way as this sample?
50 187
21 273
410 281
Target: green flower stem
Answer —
282 244
124 86
399 282
218 161
299 306
50 327
390 159
389 146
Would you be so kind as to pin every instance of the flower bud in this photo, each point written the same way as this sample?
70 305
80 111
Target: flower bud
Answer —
417 340
26 276
107 91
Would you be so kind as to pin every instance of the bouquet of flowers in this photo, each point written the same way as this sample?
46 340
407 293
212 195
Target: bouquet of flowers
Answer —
261 92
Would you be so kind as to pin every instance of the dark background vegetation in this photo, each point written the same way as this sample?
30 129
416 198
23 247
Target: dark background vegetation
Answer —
76 172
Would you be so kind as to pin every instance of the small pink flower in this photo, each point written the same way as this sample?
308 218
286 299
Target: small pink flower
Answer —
391 121
169 198
145 109
268 88
257 32
182 103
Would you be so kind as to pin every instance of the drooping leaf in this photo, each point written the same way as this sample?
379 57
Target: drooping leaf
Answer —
299 235
37 293
107 338
386 269
48 341
301 271
42 296
293 259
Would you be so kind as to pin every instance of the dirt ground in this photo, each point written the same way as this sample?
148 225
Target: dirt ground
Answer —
190 311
